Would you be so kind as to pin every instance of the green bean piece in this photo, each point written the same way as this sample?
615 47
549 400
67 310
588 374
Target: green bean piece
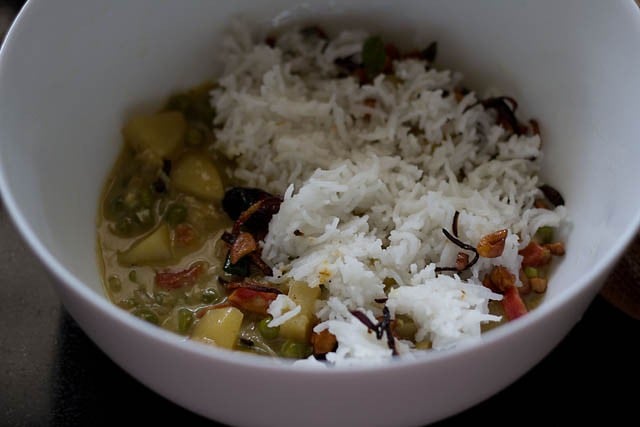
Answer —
210 295
147 314
373 56
531 272
544 234
295 350
114 284
185 320
267 331
176 214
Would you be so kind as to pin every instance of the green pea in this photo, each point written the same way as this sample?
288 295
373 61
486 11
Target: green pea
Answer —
176 214
267 331
531 272
295 350
114 284
209 295
545 234
147 314
373 56
133 276
185 320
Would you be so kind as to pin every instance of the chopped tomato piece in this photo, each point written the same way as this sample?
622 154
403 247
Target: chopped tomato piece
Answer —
535 255
512 303
250 300
177 279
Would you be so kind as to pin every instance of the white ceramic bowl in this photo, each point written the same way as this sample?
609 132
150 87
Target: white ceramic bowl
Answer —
72 71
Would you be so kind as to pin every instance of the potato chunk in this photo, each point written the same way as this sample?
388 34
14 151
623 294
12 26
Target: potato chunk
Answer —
195 174
219 326
156 247
297 328
304 296
162 133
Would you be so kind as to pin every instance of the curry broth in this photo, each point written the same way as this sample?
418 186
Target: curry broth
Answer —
141 201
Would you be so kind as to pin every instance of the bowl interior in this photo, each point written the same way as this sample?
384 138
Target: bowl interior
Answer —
67 89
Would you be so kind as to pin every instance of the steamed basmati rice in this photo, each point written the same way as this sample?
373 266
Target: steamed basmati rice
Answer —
369 185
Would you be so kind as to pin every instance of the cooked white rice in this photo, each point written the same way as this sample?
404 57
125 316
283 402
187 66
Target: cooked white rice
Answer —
368 189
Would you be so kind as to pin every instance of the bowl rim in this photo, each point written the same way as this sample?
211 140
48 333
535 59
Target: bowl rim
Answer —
66 279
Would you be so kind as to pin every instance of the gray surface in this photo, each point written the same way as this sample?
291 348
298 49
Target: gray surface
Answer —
28 315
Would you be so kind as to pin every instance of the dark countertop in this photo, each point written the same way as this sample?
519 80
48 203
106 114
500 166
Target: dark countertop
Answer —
51 374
